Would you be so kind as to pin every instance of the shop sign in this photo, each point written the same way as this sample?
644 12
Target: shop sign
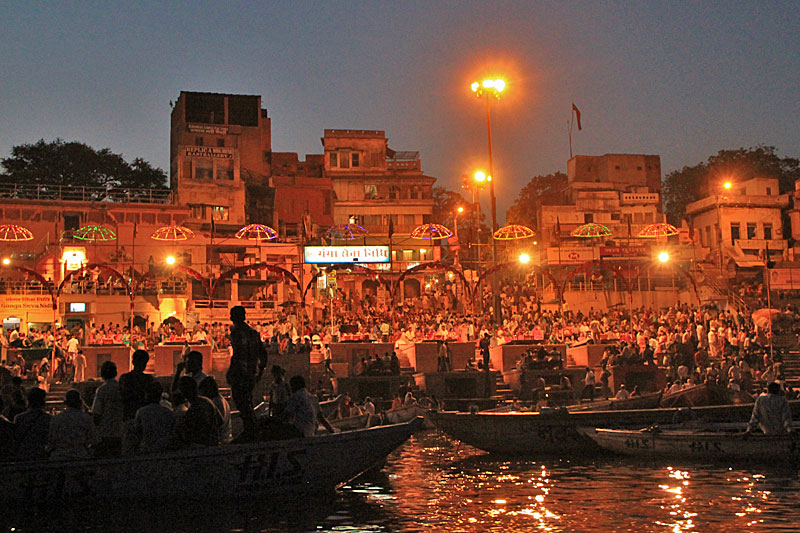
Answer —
570 256
624 251
209 151
14 302
784 278
207 128
346 254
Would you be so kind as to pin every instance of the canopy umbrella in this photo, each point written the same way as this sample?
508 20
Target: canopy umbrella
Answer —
431 232
591 231
512 232
94 233
172 233
14 233
762 318
659 229
346 232
257 232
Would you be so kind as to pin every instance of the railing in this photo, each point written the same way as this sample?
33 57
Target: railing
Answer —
69 193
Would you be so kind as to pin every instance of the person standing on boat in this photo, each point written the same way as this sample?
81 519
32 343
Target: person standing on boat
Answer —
248 361
771 412
303 409
107 412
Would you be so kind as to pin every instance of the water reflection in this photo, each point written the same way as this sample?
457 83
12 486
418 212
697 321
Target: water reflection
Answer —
433 483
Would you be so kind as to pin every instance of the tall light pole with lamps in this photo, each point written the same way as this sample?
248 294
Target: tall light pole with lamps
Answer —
727 186
491 89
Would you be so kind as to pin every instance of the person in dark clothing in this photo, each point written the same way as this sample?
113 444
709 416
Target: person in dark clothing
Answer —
133 389
247 365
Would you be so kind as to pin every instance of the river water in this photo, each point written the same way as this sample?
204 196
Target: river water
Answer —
434 484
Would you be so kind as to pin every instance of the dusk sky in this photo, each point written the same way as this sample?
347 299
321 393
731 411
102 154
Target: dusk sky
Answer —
678 79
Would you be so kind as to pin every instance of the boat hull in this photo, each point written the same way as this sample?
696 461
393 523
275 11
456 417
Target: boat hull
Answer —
704 445
557 433
267 468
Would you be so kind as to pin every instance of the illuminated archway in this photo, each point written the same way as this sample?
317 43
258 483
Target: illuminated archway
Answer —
435 265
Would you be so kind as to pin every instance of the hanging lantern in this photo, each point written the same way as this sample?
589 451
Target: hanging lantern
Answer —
659 229
591 231
346 232
513 232
431 232
15 233
172 233
94 233
257 232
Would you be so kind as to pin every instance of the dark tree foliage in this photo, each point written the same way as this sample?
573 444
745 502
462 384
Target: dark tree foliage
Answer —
77 164
445 212
540 190
692 183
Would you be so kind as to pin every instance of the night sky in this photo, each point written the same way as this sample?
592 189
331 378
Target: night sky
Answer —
678 79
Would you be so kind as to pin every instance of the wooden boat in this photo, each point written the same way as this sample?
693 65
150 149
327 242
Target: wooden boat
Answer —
642 401
556 432
688 397
714 443
406 413
271 469
350 423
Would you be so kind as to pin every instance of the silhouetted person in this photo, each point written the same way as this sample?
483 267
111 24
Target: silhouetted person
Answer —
247 365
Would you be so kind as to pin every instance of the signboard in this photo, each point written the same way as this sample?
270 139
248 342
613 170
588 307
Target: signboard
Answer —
25 302
346 254
570 256
625 252
207 128
784 278
209 151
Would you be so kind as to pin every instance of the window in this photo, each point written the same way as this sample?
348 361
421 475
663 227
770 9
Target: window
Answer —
356 159
221 143
371 221
735 236
225 169
751 230
616 167
334 159
197 211
344 160
220 212
394 192
203 169
648 218
638 168
370 192
408 220
708 236
769 191
638 218
768 232
198 141
414 193
588 217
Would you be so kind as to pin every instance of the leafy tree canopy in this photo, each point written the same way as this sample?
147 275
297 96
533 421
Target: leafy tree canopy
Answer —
692 183
77 164
540 190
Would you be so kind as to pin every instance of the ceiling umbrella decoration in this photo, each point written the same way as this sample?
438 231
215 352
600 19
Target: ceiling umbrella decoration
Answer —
431 232
15 233
172 233
257 232
346 232
591 231
94 233
659 229
513 232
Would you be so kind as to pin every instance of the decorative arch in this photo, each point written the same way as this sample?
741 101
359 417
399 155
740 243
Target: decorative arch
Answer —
255 266
338 267
435 265
682 271
502 266
41 279
88 267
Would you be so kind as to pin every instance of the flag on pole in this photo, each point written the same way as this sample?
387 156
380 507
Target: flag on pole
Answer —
577 115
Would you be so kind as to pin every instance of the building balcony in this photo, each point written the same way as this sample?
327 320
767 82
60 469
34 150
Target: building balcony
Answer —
14 191
761 244
728 200
641 198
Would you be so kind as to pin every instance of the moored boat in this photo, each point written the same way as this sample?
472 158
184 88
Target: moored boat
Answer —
273 468
715 443
643 401
556 432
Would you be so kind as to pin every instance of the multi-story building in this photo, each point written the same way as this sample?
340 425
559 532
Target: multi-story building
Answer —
380 189
620 191
741 223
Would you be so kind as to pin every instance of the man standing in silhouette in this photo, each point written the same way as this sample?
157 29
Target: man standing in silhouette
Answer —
247 365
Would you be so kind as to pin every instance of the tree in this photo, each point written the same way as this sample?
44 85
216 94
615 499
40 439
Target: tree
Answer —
540 190
692 183
77 164
445 212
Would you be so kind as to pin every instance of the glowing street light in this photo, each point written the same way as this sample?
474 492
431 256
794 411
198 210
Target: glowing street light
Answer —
460 209
6 261
481 177
727 185
524 259
663 257
171 260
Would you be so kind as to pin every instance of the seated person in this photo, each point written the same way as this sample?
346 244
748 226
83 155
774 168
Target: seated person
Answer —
72 432
153 424
32 428
198 422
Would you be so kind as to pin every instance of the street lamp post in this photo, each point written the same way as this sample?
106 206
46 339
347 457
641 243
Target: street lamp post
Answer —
491 88
727 186
455 230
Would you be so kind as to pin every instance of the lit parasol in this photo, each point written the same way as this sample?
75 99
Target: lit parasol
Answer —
431 232
257 232
346 232
659 229
513 232
94 233
763 317
172 233
591 231
12 232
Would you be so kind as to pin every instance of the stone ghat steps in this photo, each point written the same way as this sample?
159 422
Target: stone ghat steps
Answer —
791 368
